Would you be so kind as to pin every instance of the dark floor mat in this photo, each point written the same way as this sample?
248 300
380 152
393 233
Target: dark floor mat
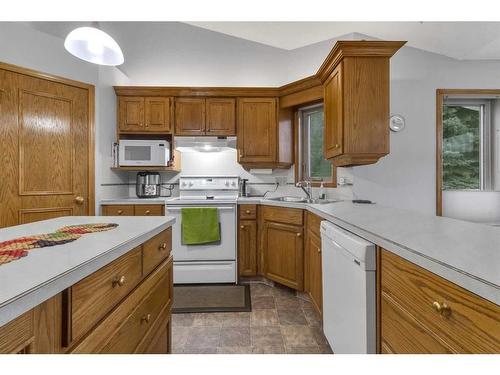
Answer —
211 298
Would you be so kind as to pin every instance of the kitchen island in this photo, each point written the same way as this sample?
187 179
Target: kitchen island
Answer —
86 294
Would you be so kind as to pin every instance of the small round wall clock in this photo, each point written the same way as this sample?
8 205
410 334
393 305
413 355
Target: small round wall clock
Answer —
397 123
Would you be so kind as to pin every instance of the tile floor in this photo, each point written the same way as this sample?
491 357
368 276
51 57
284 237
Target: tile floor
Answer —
279 323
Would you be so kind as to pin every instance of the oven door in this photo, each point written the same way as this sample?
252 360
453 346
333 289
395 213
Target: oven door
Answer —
225 250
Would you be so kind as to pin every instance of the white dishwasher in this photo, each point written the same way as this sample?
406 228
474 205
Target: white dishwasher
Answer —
349 308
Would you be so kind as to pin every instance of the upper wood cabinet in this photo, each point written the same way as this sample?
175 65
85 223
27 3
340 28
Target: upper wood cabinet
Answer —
356 77
210 116
144 114
190 116
265 134
221 116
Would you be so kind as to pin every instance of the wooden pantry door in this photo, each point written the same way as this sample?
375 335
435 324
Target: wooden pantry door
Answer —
46 147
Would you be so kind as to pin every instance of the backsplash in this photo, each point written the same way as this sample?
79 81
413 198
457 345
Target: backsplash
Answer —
225 163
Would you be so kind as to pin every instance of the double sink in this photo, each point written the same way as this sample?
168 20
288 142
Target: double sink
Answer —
290 199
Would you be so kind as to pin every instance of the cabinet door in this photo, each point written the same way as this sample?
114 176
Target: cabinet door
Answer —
257 130
313 271
333 131
247 248
284 254
189 116
131 114
221 118
157 114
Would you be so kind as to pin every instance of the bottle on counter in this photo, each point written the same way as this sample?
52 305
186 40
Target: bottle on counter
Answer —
322 193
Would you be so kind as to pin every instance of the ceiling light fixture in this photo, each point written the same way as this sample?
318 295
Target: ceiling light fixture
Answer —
94 45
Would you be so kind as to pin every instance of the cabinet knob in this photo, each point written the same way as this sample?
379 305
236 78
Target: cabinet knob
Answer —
120 281
337 145
146 318
163 246
119 212
248 212
442 308
147 212
146 125
319 250
79 200
242 227
299 234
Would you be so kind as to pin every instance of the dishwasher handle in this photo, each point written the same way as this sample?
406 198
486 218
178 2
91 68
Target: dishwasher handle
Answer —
219 208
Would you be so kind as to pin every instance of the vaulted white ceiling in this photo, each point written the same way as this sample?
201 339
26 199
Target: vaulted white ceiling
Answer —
459 40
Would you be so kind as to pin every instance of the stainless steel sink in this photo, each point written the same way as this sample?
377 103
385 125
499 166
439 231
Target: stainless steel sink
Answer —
288 199
302 200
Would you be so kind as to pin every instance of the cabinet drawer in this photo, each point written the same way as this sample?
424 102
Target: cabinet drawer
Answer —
292 216
98 293
248 211
314 224
17 335
401 333
124 330
470 324
118 210
155 250
148 210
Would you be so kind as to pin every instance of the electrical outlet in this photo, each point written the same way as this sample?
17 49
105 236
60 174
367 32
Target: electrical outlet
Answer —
281 180
345 181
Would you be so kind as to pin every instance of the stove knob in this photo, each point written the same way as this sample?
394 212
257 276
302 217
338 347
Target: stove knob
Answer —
183 184
233 183
191 183
226 183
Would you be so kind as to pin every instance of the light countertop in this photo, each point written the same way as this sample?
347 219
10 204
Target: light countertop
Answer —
465 253
27 282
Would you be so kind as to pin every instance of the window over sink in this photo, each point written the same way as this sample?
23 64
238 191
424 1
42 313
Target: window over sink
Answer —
311 162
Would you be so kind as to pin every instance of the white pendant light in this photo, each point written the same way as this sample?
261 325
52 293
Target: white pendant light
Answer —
94 45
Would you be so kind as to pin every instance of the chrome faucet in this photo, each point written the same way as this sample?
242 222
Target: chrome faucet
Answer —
307 189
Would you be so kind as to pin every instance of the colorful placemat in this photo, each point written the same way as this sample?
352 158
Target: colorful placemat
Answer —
18 247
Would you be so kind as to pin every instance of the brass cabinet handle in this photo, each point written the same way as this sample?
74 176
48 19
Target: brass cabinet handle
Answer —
147 212
319 250
299 234
248 212
146 124
119 212
337 145
242 227
163 246
79 200
441 308
120 281
146 318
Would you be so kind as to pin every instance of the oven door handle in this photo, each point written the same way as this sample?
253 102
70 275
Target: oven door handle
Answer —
179 208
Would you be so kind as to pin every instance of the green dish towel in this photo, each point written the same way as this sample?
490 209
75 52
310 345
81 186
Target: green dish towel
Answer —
200 225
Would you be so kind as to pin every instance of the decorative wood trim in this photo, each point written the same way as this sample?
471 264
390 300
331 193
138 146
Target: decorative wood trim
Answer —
440 94
358 159
196 91
300 85
356 48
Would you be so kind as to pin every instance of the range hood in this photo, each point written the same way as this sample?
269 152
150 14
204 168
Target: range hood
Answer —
204 143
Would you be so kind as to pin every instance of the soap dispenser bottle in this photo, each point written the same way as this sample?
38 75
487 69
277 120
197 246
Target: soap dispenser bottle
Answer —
322 194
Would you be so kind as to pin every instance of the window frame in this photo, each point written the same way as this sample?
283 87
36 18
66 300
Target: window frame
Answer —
302 149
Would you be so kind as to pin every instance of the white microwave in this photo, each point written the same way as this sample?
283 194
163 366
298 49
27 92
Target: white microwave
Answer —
134 152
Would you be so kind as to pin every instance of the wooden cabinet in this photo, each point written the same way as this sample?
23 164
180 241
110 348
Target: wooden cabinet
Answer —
282 245
125 307
133 210
356 102
189 116
424 313
144 114
247 240
200 116
313 283
221 116
257 130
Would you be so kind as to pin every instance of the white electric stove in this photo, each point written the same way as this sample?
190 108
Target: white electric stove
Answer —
214 262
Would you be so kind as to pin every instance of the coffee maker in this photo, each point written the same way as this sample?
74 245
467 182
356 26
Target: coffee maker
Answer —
243 187
147 185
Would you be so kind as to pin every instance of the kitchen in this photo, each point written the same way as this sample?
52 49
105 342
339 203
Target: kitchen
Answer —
247 206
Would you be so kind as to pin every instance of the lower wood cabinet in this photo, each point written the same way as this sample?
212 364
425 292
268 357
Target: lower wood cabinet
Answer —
421 312
125 307
283 248
247 240
313 283
133 210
